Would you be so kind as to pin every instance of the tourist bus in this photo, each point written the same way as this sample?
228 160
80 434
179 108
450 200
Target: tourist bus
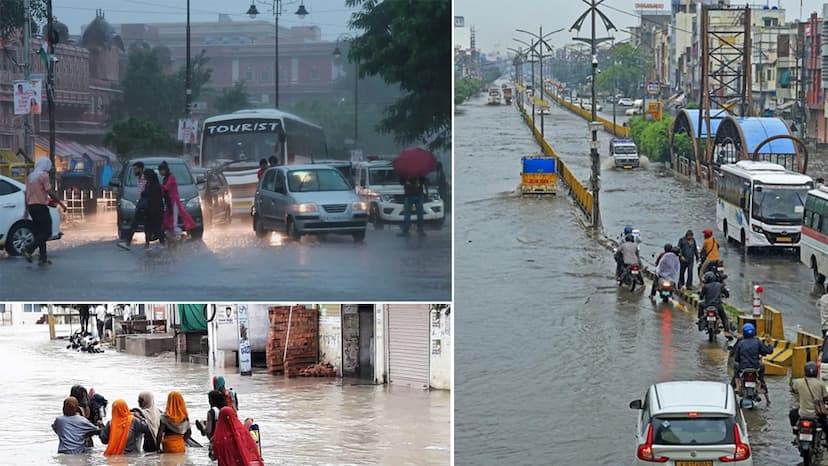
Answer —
813 249
236 142
760 204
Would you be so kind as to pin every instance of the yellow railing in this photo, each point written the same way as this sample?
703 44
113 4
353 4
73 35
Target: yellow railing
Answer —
618 130
579 192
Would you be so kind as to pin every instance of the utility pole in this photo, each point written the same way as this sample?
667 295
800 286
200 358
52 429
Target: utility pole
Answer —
50 86
27 74
188 87
592 11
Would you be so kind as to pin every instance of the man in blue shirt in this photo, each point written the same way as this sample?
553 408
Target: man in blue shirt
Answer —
73 429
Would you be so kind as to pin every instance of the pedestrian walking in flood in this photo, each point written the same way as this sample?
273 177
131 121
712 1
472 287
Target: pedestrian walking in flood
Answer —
174 208
124 433
232 443
72 429
415 190
140 207
100 320
174 425
38 192
154 217
151 416
83 310
688 255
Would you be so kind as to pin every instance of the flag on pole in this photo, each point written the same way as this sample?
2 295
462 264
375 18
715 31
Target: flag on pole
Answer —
44 54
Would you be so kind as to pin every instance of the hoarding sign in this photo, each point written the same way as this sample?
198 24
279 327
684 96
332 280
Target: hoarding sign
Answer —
27 97
653 87
188 130
244 342
649 6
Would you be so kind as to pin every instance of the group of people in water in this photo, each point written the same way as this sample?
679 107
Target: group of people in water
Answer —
147 429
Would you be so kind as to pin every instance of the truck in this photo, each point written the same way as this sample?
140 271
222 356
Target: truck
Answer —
539 175
507 95
624 153
494 95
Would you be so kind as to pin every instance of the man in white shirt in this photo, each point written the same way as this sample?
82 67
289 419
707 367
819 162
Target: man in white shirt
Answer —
100 320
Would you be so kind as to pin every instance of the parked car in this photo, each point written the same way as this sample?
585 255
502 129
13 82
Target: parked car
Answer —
586 105
308 199
691 423
17 231
633 111
543 111
127 192
625 102
216 198
379 186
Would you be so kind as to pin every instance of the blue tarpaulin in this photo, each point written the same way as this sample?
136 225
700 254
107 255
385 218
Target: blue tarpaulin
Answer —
539 165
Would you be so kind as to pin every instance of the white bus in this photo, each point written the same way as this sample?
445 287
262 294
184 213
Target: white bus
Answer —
236 142
760 204
813 249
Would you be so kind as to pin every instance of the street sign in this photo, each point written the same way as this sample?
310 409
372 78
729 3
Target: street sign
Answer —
459 21
653 87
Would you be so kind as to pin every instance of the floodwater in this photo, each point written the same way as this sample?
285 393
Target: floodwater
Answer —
302 421
551 352
231 261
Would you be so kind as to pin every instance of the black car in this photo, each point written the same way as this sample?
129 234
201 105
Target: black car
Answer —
216 199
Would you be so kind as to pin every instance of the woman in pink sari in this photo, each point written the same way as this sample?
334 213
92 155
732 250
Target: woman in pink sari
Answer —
174 208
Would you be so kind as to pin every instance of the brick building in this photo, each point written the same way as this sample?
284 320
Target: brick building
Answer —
244 51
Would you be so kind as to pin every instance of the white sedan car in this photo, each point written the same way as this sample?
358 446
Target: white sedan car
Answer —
691 423
16 232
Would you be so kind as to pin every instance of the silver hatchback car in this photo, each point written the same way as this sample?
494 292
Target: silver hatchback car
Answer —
308 199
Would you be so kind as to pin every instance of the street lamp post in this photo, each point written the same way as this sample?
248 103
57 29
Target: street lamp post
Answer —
337 54
540 39
252 12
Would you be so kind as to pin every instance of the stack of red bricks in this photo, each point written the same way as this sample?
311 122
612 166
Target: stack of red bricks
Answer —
318 370
302 342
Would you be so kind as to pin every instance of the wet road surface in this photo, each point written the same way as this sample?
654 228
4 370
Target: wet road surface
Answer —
553 352
231 261
302 421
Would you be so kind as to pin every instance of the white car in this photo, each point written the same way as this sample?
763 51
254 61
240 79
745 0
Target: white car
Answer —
16 231
632 111
588 106
379 186
691 423
625 102
543 111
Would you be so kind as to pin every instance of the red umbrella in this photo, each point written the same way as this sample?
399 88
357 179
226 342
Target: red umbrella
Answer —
414 163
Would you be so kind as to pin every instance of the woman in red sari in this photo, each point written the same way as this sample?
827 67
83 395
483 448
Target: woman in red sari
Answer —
174 206
232 443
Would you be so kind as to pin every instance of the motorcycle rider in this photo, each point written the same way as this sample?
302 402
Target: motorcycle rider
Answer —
808 390
709 252
746 354
627 254
711 295
628 230
667 268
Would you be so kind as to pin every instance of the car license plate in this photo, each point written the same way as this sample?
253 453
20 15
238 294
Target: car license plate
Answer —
783 239
628 167
635 272
665 293
694 463
806 437
750 384
711 319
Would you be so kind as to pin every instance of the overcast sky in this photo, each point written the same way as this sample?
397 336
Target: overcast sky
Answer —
330 15
495 20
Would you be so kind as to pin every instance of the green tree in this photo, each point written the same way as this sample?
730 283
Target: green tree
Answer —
235 98
404 42
652 137
135 136
465 89
622 69
11 16
683 145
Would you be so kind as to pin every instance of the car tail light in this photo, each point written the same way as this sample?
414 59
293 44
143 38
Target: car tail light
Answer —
742 451
645 451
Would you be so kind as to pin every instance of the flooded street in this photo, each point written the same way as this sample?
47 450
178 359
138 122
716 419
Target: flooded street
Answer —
302 421
551 352
231 261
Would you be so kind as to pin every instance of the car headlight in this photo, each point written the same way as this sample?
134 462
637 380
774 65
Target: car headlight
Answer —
127 205
386 197
193 203
303 208
359 206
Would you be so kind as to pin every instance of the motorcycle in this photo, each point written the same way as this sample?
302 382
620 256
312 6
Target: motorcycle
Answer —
631 277
665 289
750 387
809 440
81 341
712 322
717 267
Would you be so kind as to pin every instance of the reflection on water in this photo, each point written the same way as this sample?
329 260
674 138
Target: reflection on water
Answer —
302 421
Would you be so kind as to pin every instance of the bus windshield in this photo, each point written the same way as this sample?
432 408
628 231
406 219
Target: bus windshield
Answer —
779 204
240 142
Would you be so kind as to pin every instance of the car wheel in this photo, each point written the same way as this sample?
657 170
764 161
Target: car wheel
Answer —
359 236
20 236
258 226
291 230
197 233
818 277
374 217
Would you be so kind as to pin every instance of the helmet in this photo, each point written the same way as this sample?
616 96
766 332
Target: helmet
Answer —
629 239
810 369
709 277
708 233
668 247
627 230
748 331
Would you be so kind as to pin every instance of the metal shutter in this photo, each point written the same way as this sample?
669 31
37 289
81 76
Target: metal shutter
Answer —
408 345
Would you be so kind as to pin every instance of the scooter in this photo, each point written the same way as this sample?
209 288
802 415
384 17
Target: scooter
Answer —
665 289
809 440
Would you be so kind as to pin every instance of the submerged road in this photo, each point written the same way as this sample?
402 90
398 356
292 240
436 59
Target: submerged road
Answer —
231 261
302 421
551 352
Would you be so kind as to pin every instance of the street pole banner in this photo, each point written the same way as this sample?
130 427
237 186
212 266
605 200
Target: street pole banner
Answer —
188 130
27 97
244 342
